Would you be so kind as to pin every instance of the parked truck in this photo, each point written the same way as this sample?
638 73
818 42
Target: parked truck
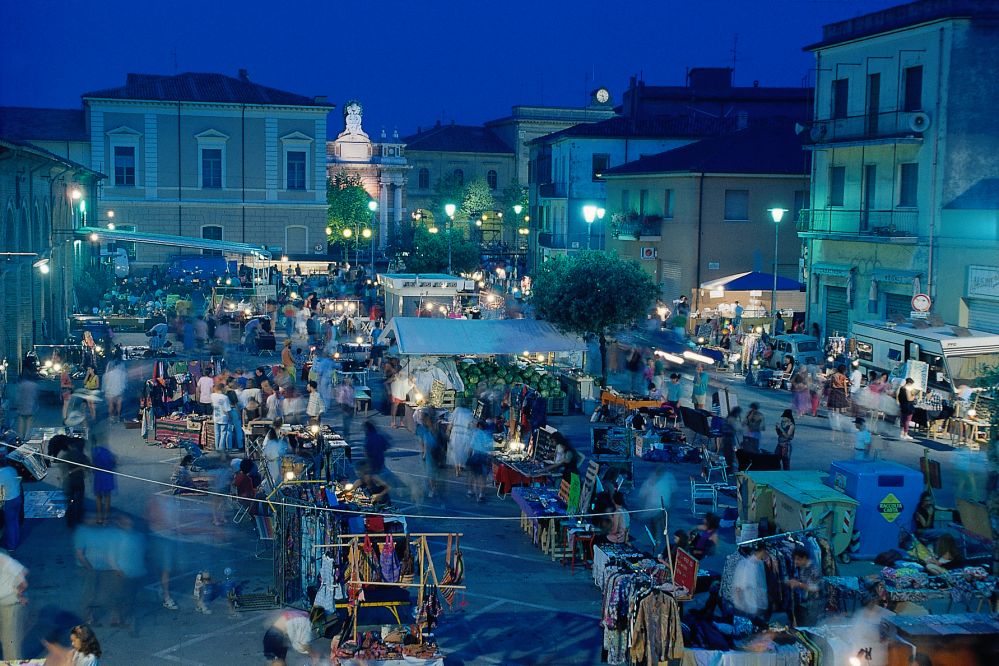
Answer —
956 356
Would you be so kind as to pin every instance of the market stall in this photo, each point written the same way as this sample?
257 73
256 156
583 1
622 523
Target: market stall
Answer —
716 299
369 570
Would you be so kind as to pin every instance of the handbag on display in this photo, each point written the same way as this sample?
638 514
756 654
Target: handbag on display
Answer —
390 566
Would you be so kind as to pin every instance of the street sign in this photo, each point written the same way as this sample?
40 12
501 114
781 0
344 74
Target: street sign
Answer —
890 507
921 303
685 571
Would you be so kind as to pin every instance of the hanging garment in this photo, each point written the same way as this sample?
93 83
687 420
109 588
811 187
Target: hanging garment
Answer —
389 562
657 635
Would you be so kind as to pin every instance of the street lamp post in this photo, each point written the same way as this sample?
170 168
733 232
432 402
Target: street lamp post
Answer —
777 214
449 211
372 206
591 213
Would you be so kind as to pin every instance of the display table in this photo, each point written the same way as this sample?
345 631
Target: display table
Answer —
510 473
540 512
628 402
170 430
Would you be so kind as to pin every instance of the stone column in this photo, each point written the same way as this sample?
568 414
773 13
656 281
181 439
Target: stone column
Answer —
383 214
397 206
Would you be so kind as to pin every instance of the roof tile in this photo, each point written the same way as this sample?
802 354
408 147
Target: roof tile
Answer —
202 87
457 139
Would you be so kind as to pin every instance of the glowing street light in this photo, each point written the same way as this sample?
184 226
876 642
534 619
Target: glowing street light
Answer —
777 214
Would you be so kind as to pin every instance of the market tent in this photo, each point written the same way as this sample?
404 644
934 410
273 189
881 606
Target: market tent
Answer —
753 281
752 290
243 249
426 369
478 337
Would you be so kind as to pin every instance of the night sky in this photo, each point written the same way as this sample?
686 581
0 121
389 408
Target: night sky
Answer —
410 63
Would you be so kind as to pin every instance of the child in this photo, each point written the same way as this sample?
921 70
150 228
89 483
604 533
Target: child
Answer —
862 443
201 583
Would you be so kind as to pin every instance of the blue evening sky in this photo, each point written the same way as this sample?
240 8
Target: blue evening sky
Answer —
410 63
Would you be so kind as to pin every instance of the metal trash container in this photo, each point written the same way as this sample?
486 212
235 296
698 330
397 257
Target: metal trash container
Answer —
755 495
810 504
888 495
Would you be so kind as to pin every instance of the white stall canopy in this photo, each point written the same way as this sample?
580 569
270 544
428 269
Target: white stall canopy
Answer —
476 337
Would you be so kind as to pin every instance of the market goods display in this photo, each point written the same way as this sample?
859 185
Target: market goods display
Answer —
491 374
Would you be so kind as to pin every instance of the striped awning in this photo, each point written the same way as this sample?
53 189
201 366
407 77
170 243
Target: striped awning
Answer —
227 247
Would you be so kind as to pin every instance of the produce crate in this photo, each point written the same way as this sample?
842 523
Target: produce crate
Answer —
558 405
449 399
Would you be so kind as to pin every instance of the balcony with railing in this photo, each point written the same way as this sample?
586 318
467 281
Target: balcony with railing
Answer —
870 128
879 226
633 226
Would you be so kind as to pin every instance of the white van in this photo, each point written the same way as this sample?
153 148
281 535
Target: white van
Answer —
956 356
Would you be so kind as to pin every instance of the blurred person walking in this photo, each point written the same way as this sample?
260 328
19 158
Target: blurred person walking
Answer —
459 445
128 559
104 481
93 554
481 446
163 515
115 384
13 505
344 395
656 495
13 585
27 403
785 435
75 467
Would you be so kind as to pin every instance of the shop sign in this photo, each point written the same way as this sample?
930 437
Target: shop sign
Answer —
685 571
890 507
983 282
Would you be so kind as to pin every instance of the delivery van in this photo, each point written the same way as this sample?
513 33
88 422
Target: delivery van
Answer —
956 356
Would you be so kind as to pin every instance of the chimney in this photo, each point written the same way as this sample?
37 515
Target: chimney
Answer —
243 75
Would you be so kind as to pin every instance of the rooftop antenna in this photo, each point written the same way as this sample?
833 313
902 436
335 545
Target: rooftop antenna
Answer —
735 51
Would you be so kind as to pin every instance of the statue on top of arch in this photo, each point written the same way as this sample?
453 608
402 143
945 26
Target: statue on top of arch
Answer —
352 112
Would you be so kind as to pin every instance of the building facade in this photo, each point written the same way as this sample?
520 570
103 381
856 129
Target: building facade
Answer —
382 168
42 199
700 212
200 156
566 166
905 147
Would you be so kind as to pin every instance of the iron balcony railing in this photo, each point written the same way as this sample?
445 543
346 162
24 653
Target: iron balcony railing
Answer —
870 126
873 223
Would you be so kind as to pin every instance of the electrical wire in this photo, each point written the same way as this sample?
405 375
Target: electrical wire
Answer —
263 501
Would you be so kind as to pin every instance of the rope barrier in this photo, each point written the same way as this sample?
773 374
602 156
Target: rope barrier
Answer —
263 501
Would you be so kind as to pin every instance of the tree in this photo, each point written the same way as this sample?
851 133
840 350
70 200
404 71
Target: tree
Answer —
428 253
471 199
990 382
513 194
476 199
592 293
347 208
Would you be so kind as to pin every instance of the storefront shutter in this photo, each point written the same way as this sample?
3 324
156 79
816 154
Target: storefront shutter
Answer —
837 312
669 281
897 304
983 315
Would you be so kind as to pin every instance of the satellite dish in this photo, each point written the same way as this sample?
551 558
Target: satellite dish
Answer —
818 131
799 128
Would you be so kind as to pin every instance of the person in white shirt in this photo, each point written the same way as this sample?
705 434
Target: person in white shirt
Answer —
856 379
114 382
13 583
273 405
13 500
204 389
749 585
275 447
221 409
316 406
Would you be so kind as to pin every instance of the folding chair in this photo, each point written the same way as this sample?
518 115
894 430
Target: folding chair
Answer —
702 492
714 463
242 510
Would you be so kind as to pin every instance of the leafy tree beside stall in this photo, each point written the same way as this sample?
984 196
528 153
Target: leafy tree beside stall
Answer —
592 293
428 253
347 208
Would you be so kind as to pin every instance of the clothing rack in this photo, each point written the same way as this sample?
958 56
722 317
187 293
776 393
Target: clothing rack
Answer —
807 530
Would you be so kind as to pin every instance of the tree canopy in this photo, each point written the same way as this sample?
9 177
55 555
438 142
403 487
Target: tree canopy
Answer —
592 293
347 207
428 253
